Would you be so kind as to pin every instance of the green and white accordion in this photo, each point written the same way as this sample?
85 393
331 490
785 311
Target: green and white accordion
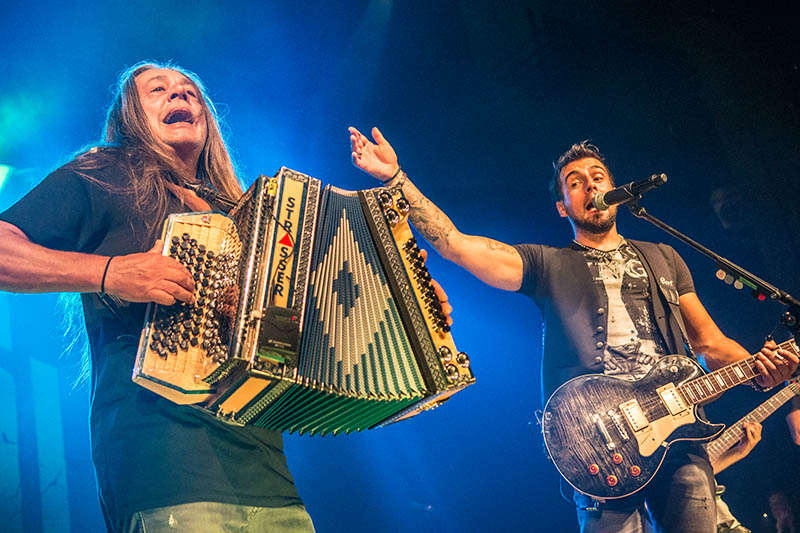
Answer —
314 313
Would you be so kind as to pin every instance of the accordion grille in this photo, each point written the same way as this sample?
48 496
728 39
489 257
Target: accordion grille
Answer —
354 343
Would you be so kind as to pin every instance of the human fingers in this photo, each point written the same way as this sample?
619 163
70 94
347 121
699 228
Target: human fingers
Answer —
378 136
753 431
356 142
157 247
444 304
787 356
356 137
179 274
781 363
176 291
160 297
767 358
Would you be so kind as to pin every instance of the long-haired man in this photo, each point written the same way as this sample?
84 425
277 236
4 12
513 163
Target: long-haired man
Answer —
90 227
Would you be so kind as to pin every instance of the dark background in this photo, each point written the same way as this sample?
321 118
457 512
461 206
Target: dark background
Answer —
478 98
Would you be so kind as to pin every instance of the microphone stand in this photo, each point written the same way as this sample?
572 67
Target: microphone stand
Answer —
731 272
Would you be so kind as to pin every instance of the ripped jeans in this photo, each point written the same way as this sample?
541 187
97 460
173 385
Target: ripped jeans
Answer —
680 498
212 517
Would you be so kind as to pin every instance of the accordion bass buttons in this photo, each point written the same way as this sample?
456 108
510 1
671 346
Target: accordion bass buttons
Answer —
385 199
392 216
452 372
445 354
403 206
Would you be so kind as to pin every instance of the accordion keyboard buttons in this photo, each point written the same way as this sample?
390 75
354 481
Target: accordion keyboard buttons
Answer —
178 327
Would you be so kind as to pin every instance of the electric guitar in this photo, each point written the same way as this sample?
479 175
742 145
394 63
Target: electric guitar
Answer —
608 436
735 431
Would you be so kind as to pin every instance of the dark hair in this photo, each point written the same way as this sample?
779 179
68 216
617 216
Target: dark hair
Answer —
577 151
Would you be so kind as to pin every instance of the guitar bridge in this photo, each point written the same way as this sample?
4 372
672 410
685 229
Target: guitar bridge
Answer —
601 426
617 419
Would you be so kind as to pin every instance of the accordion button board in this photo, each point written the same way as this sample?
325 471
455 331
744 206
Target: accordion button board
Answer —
314 313
183 344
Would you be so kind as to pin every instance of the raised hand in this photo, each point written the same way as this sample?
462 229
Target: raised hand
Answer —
377 159
149 277
776 366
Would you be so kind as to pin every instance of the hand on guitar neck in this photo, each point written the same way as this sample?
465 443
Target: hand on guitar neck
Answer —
608 436
775 363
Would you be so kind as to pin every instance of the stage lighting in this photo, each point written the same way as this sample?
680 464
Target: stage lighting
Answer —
5 172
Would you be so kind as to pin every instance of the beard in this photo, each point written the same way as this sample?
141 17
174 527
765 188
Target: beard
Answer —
596 227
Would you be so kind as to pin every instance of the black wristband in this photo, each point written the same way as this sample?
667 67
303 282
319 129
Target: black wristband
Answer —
105 272
396 172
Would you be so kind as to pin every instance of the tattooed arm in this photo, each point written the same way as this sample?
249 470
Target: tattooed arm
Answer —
491 261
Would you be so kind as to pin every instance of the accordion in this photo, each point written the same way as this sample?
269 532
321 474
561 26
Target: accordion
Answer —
313 313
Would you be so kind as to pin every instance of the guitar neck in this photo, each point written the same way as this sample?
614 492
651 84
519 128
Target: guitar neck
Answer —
734 433
709 385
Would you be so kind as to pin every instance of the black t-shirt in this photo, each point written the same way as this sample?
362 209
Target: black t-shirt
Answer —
148 452
568 288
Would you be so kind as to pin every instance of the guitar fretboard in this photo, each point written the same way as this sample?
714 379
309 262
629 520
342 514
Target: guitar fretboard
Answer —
704 387
734 433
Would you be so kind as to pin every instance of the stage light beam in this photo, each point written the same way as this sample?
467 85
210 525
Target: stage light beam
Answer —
5 172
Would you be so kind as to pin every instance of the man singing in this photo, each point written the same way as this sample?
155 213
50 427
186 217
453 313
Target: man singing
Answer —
610 305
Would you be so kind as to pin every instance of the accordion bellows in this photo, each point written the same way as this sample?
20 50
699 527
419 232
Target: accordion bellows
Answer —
314 313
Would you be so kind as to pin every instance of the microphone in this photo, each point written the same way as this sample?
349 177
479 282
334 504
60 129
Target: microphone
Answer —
626 193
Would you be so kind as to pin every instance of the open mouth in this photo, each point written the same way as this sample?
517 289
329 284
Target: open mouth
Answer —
179 115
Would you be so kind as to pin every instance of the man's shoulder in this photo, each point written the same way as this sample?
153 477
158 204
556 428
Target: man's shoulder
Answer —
649 246
548 256
103 165
545 248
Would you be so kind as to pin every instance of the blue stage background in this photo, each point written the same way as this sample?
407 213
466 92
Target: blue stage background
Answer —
478 98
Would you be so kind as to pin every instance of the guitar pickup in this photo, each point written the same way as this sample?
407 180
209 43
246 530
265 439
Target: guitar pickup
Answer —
634 415
671 398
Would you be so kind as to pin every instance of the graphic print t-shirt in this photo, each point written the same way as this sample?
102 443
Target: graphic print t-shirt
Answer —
634 342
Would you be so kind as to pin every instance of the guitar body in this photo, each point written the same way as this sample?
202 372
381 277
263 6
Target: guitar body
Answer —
608 436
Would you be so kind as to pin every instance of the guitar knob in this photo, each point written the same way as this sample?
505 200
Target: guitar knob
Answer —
617 458
611 480
635 470
594 469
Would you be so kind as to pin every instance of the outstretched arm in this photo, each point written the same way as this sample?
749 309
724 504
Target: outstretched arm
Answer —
141 277
491 261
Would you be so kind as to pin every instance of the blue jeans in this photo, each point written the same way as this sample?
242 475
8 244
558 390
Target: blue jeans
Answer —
680 498
212 517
